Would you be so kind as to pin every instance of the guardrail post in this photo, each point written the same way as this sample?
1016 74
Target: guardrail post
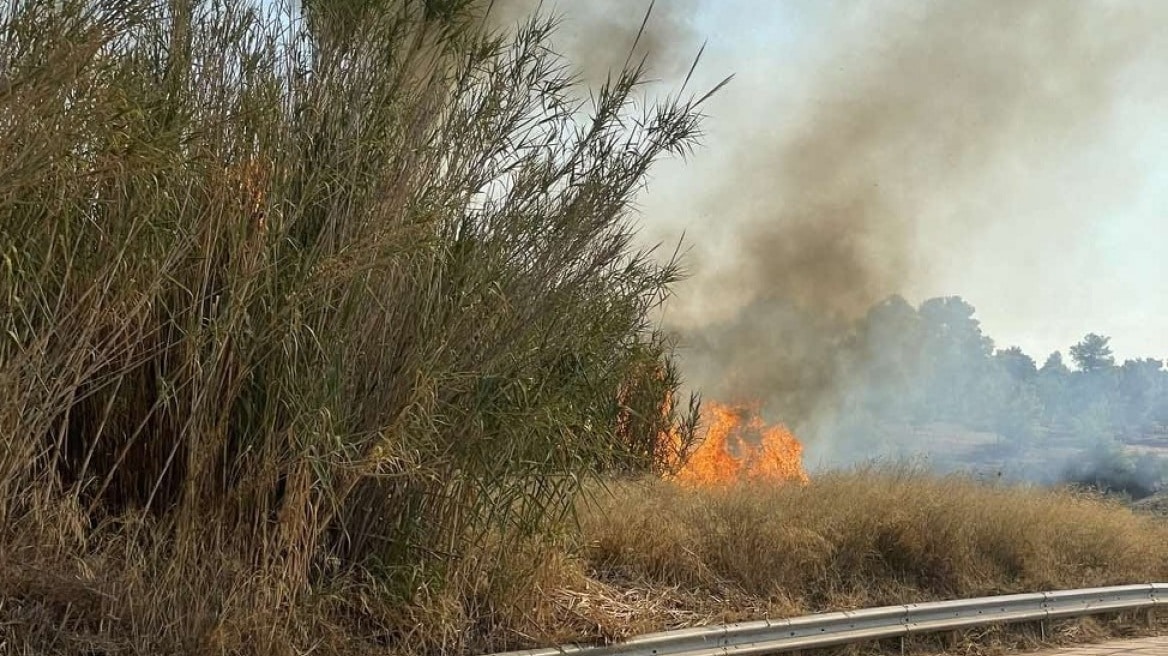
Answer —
1152 618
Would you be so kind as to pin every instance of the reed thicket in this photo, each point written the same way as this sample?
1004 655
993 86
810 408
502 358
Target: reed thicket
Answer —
307 316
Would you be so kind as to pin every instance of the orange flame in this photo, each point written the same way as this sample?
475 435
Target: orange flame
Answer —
740 446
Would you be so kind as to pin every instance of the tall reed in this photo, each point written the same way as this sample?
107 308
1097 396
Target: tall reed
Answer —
351 288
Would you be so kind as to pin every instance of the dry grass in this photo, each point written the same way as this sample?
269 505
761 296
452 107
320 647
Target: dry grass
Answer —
650 555
646 556
859 539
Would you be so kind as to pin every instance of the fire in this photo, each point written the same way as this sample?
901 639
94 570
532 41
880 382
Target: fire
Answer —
737 446
740 446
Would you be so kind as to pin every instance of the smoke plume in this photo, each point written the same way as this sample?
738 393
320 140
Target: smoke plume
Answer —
910 128
916 104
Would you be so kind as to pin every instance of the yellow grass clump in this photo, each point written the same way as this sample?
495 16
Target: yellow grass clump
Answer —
869 537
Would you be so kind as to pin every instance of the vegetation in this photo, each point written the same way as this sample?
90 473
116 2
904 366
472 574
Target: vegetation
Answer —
871 537
909 367
653 555
300 312
947 369
314 328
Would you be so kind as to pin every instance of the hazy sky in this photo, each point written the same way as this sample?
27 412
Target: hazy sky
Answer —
1011 153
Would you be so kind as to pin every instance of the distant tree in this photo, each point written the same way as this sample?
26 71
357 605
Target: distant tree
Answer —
955 360
1052 389
949 321
1054 365
1148 367
888 355
1093 400
892 322
1016 363
1093 353
1140 391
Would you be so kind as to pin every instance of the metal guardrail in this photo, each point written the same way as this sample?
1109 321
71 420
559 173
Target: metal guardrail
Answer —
828 629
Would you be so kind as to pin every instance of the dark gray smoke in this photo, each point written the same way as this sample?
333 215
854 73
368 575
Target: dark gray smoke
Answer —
834 194
1108 469
922 100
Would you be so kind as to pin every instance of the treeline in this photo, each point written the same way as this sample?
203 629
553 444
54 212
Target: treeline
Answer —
914 378
934 364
